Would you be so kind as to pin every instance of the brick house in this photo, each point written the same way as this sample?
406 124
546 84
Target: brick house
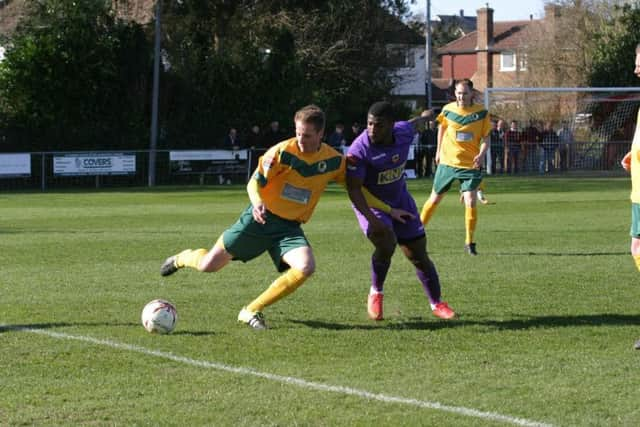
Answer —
494 54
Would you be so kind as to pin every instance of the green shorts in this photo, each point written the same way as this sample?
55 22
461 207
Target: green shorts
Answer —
635 220
247 239
469 179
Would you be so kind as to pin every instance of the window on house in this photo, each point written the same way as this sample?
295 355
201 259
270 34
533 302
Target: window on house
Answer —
400 56
507 61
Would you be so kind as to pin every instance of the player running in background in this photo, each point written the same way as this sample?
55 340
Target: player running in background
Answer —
376 162
631 163
460 156
283 192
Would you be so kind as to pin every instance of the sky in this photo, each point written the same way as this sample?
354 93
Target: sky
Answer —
503 10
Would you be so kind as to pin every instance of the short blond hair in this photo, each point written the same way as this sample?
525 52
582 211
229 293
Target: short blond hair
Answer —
638 48
311 114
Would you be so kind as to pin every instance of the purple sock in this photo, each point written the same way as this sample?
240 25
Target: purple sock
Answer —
379 271
430 283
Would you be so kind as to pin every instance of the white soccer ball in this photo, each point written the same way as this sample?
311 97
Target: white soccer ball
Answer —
159 316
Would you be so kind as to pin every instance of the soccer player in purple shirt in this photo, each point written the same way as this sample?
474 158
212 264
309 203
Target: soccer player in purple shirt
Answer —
376 160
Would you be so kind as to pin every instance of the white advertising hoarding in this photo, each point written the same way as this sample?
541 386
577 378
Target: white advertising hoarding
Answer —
18 164
181 155
94 164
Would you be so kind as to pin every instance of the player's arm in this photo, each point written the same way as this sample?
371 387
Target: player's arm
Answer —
363 200
419 122
626 162
441 130
259 209
478 160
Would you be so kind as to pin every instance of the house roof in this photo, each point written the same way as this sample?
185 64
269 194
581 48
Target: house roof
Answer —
507 35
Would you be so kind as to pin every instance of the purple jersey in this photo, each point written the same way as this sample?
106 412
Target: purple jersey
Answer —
381 167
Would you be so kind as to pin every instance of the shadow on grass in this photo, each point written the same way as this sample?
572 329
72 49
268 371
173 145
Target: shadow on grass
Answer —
12 328
603 319
23 327
564 254
385 325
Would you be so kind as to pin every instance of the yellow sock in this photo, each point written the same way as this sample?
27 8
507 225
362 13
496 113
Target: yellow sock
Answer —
427 211
280 288
636 259
470 220
190 258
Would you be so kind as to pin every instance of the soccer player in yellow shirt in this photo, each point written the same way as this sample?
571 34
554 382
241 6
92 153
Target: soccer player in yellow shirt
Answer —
460 156
284 191
631 163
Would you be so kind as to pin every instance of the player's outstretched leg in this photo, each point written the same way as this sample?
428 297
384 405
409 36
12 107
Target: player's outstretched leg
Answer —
169 266
186 258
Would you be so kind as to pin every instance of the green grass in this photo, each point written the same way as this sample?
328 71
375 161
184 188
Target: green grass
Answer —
548 314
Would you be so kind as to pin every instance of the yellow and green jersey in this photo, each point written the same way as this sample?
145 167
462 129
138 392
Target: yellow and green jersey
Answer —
291 182
635 164
464 128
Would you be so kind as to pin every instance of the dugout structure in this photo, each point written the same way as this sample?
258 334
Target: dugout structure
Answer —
600 120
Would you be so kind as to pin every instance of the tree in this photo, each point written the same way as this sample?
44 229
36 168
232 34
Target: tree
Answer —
75 77
582 43
615 47
277 56
79 76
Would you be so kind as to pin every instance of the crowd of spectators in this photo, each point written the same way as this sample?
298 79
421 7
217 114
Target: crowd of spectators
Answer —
537 147
255 139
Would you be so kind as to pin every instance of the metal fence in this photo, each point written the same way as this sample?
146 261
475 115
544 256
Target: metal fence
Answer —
63 170
46 174
592 158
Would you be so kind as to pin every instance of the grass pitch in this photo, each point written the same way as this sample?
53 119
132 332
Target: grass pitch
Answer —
548 314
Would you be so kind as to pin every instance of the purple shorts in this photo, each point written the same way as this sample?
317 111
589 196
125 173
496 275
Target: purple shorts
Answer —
412 229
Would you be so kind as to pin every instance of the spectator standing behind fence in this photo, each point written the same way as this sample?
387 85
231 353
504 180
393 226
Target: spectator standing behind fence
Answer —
531 143
512 141
497 145
254 139
419 152
231 140
254 144
565 136
356 130
428 146
337 139
273 135
549 141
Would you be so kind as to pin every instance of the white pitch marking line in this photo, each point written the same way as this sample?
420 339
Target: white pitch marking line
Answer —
460 410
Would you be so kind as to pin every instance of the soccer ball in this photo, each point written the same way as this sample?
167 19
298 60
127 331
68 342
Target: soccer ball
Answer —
159 316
